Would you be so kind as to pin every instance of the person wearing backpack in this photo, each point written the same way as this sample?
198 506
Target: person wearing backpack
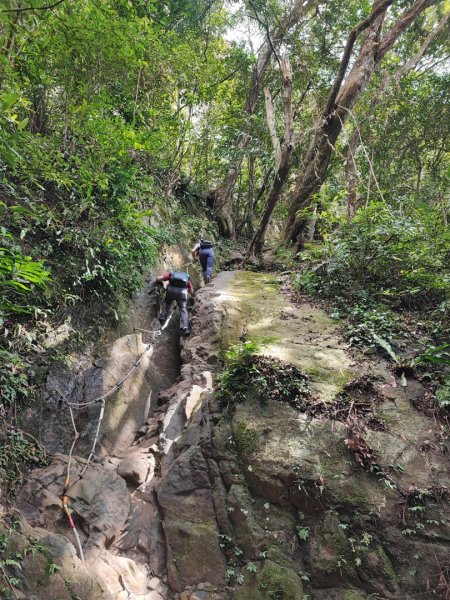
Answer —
179 286
204 251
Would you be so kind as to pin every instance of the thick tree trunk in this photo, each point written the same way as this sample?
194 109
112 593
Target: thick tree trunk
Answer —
223 194
343 97
283 154
271 124
247 219
257 242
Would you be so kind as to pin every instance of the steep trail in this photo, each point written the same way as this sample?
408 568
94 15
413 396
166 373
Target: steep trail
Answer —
190 501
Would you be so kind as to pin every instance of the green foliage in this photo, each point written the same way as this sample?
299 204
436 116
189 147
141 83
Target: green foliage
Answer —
92 139
19 275
248 375
386 256
443 394
251 567
245 440
436 355
15 385
303 532
52 568
382 263
18 454
97 157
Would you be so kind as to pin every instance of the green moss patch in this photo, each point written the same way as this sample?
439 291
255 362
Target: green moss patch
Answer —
272 582
245 439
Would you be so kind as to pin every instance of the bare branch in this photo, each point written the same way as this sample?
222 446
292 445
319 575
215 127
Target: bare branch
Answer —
19 10
286 71
414 60
267 30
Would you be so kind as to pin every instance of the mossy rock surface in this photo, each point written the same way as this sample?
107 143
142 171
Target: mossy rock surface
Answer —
271 582
304 336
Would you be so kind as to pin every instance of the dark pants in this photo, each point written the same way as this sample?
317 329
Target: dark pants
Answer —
179 295
206 258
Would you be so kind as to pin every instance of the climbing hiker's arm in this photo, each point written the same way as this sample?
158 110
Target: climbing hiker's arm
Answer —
191 289
163 277
195 250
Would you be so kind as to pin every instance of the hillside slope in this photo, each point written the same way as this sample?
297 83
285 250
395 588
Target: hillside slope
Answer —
309 472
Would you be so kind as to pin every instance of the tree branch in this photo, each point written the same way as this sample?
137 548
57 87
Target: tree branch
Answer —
286 71
396 30
267 30
18 10
378 9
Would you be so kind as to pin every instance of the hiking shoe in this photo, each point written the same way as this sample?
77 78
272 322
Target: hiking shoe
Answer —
162 320
185 332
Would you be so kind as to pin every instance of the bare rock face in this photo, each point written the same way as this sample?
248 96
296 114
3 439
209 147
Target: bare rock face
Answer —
189 522
137 467
47 565
142 539
100 501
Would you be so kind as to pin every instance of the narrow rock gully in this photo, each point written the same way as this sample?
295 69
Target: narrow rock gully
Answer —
342 498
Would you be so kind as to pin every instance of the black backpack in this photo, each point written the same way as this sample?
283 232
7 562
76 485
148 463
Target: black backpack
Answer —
205 244
179 279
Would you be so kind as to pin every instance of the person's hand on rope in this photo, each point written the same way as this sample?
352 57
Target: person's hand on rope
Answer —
154 287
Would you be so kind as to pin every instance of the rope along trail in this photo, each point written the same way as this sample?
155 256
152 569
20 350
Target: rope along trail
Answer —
102 401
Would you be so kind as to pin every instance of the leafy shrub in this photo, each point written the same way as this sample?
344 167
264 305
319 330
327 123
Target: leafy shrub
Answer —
248 375
384 256
18 455
15 385
19 275
380 264
443 394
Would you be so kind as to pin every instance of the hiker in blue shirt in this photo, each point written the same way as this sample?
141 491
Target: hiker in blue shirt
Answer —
177 290
204 251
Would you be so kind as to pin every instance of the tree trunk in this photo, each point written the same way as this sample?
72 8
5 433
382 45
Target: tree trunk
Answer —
341 100
283 154
247 224
38 118
271 124
257 242
223 194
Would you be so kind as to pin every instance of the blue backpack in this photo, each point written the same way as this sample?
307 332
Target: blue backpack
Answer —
179 279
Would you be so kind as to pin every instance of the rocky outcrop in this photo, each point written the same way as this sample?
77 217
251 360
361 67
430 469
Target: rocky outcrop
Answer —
344 498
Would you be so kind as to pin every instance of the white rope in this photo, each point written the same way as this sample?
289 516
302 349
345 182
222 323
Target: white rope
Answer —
100 399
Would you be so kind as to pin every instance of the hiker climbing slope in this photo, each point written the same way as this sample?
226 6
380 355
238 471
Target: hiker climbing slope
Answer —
177 290
204 251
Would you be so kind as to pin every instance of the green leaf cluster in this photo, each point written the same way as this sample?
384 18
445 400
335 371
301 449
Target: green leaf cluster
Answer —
383 263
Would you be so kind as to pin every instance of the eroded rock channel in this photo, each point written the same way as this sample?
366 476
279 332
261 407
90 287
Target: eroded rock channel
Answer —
344 497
